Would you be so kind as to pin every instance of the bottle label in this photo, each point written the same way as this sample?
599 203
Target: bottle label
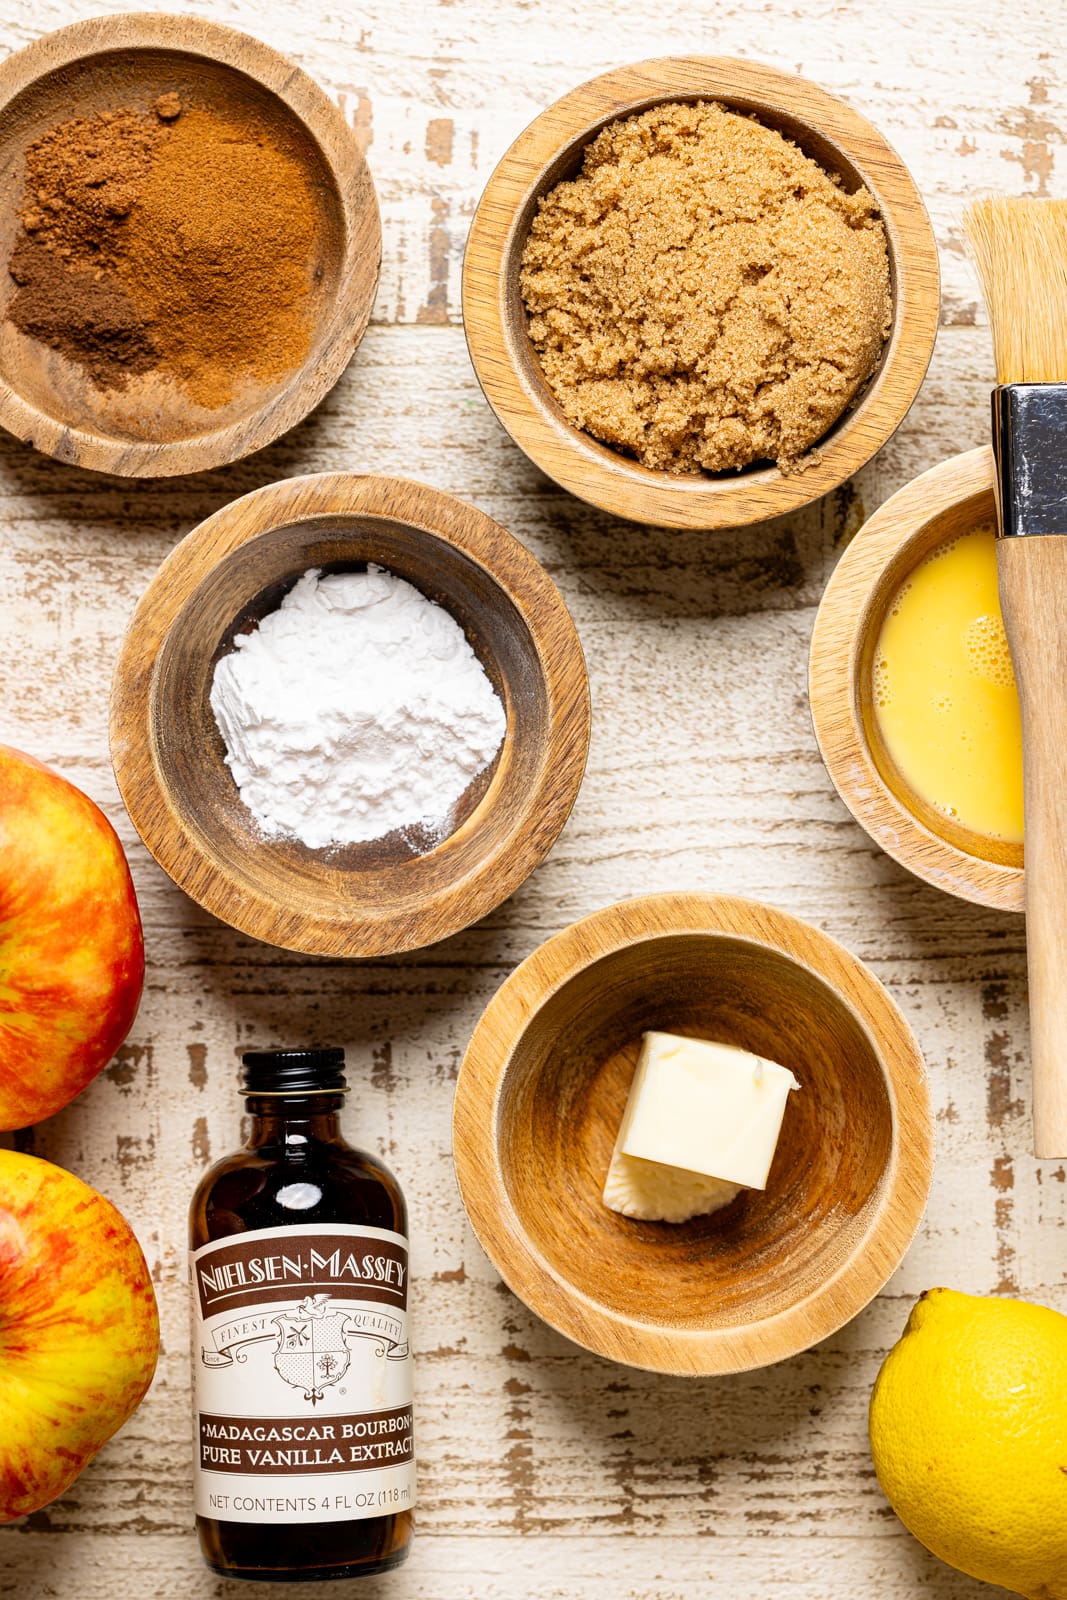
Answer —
302 1375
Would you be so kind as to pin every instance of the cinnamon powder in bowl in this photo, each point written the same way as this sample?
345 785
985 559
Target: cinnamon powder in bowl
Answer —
177 239
189 244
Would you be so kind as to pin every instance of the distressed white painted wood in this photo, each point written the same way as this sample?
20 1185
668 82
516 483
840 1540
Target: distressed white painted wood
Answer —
546 1473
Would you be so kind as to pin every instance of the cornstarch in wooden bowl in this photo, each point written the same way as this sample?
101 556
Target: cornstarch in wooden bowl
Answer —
702 295
357 711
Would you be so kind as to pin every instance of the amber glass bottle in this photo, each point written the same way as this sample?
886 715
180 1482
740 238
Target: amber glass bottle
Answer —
303 1464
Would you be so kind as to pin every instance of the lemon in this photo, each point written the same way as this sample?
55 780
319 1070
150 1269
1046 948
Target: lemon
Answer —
968 1429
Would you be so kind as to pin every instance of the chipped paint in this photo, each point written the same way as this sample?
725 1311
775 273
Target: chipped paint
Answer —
382 1076
1002 1181
363 121
201 1142
1036 134
128 1062
439 141
434 308
197 1065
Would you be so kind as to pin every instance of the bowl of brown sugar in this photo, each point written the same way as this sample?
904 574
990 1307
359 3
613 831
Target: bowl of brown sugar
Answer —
700 292
189 244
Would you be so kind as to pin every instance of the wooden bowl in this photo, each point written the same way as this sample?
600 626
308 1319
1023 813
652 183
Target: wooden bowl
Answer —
360 900
550 150
152 428
541 1093
941 504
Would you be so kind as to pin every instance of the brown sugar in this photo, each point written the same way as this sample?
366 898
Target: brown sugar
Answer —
702 295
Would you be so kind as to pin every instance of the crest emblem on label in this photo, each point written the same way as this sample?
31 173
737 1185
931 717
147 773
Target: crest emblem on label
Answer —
311 1353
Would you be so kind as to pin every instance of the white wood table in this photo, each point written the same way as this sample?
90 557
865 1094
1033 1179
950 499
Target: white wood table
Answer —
544 1471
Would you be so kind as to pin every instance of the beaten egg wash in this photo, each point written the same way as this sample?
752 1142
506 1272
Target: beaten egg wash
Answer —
944 690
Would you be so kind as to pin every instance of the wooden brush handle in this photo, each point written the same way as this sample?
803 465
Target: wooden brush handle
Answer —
1033 597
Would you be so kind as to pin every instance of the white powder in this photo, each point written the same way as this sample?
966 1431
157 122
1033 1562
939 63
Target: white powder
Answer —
355 709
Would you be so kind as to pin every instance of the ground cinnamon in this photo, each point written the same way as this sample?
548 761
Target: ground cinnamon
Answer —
76 310
178 240
218 249
82 179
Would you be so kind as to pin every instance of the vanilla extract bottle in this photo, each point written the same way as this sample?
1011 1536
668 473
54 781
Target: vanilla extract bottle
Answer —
302 1386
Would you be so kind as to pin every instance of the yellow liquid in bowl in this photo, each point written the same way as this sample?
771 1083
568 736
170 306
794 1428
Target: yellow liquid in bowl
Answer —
944 690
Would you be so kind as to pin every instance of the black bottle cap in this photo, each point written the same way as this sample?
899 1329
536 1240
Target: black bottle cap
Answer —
293 1072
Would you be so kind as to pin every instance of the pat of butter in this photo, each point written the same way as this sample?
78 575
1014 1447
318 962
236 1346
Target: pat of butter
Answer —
652 1192
707 1108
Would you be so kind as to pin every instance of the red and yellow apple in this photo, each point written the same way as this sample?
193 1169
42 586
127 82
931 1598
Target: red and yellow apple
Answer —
71 950
79 1330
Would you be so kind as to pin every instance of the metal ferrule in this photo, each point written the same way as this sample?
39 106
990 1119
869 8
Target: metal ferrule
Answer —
1030 446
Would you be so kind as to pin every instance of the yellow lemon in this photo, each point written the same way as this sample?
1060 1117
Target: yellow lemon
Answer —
968 1429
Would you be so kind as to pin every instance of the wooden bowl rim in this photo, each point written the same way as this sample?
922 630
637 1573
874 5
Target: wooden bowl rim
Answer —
845 615
592 471
895 1211
513 571
344 322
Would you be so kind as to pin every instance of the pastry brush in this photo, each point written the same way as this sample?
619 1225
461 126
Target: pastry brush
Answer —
1020 248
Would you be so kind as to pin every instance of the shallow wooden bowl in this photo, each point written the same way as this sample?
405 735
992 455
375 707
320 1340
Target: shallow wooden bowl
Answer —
550 150
941 504
360 900
541 1093
152 428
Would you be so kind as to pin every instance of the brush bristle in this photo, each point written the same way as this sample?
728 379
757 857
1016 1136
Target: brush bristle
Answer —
1020 250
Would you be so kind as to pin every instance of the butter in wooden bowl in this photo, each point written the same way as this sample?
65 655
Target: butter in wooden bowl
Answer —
701 1123
593 1033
